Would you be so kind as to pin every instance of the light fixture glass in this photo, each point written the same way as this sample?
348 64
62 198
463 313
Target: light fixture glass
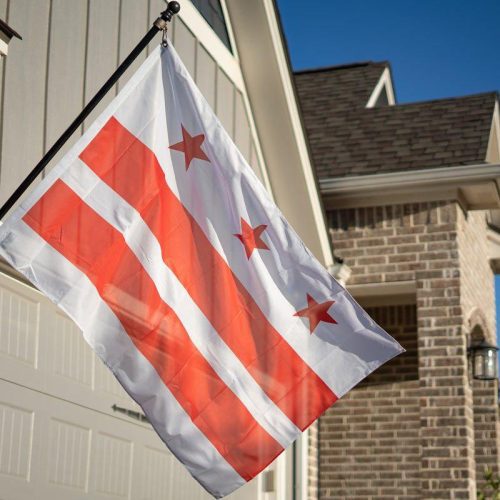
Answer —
484 361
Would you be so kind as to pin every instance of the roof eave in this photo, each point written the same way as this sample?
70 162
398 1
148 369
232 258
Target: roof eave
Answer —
476 187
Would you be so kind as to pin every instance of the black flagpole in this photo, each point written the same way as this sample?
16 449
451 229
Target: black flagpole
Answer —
159 25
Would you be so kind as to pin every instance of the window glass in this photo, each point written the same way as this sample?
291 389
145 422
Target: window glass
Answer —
211 10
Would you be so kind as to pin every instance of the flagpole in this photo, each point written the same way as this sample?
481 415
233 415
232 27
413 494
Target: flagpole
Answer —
159 25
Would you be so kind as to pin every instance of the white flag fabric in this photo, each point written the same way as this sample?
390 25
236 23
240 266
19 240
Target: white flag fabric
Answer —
155 236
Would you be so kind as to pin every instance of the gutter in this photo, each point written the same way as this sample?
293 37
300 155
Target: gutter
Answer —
401 181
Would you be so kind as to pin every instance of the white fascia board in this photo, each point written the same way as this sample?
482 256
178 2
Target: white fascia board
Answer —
384 83
494 139
496 120
410 181
312 186
271 92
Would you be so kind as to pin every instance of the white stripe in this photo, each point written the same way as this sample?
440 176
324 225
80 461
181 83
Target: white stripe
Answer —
124 218
69 288
217 194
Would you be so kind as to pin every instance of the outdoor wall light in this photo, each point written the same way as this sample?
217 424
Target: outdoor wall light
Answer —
484 360
339 270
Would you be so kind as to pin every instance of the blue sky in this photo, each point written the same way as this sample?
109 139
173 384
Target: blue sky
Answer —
437 48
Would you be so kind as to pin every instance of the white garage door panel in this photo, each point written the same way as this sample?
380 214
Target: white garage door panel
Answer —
42 349
59 438
19 331
53 449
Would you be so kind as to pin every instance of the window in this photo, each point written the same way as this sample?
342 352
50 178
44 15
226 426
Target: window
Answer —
211 10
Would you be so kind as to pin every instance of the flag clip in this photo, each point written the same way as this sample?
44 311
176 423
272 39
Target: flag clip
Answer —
164 38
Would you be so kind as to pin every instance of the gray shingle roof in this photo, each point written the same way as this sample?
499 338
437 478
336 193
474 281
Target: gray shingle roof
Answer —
347 139
338 88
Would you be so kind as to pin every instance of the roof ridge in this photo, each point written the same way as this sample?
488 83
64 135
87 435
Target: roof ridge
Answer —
341 66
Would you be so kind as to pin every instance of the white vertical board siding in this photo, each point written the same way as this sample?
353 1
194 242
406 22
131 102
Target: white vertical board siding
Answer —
134 24
155 7
225 102
254 162
185 44
66 56
206 71
241 126
24 93
102 50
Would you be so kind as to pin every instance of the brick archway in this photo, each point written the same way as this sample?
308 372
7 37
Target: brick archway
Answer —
478 326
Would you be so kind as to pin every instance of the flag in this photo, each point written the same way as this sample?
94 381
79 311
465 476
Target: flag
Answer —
155 236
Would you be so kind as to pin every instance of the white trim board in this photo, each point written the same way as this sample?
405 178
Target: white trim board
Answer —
475 186
268 81
384 83
493 150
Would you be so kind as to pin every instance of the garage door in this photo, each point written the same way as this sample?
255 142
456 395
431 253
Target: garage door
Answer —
60 437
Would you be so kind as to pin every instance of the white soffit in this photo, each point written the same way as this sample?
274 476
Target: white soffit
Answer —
378 294
475 186
384 83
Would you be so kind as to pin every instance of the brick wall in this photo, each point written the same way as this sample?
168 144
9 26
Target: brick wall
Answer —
485 410
401 323
369 443
441 249
477 299
477 280
393 243
369 446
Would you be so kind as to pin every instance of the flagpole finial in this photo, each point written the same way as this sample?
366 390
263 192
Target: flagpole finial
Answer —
173 7
166 16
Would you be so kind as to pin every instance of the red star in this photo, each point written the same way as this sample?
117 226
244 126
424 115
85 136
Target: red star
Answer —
191 147
251 237
315 312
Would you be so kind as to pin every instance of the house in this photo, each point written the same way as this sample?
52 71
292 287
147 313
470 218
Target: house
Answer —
411 193
67 429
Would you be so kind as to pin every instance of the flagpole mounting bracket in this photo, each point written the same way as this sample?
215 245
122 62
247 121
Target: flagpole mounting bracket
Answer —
165 17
